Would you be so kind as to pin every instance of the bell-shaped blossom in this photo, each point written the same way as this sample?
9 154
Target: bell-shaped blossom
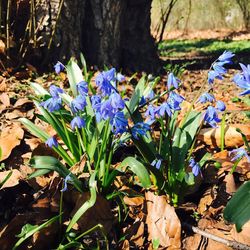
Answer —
206 97
116 101
211 116
218 67
82 88
150 113
212 75
52 142
156 163
195 167
78 104
59 67
226 57
119 123
106 110
175 100
55 91
140 129
77 122
243 80
104 81
163 109
173 81
238 154
67 179
149 96
120 77
52 104
220 106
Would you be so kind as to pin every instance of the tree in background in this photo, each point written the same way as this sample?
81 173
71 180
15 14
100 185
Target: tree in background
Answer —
108 32
245 8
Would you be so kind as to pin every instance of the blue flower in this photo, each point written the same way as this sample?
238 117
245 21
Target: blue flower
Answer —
78 104
212 74
173 81
96 102
206 97
52 142
59 67
195 167
243 80
175 100
156 163
220 105
103 81
218 67
106 110
211 117
120 77
119 123
67 179
226 57
52 104
116 101
238 154
164 109
140 129
150 96
55 91
82 88
77 122
150 113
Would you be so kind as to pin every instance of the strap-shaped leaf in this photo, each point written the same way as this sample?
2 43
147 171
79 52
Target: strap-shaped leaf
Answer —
238 208
138 169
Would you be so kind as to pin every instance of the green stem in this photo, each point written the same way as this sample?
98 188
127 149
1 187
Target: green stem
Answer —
222 132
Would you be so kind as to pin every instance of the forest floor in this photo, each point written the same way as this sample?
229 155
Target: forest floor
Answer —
33 201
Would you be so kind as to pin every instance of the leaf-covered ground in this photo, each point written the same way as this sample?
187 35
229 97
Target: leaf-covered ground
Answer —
148 217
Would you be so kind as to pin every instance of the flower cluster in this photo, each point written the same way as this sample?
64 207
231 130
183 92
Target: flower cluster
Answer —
218 69
195 167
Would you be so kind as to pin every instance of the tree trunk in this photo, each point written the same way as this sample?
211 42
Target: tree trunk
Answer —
107 32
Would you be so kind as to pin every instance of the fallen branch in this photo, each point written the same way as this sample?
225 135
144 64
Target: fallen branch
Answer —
229 243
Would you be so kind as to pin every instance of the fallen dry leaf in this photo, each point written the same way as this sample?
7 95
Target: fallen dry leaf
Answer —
212 136
20 102
162 221
3 85
133 201
243 236
5 100
13 179
10 137
2 47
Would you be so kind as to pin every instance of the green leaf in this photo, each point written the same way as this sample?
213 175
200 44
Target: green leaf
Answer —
138 169
88 204
28 230
238 208
39 90
74 74
5 179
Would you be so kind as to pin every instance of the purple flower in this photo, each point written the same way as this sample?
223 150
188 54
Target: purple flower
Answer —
52 142
140 129
226 57
59 67
116 101
119 123
195 167
82 88
238 154
96 102
52 104
103 81
211 117
212 74
55 91
173 81
175 100
206 97
156 163
67 179
106 110
120 77
243 80
78 104
164 109
220 105
77 122
150 113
